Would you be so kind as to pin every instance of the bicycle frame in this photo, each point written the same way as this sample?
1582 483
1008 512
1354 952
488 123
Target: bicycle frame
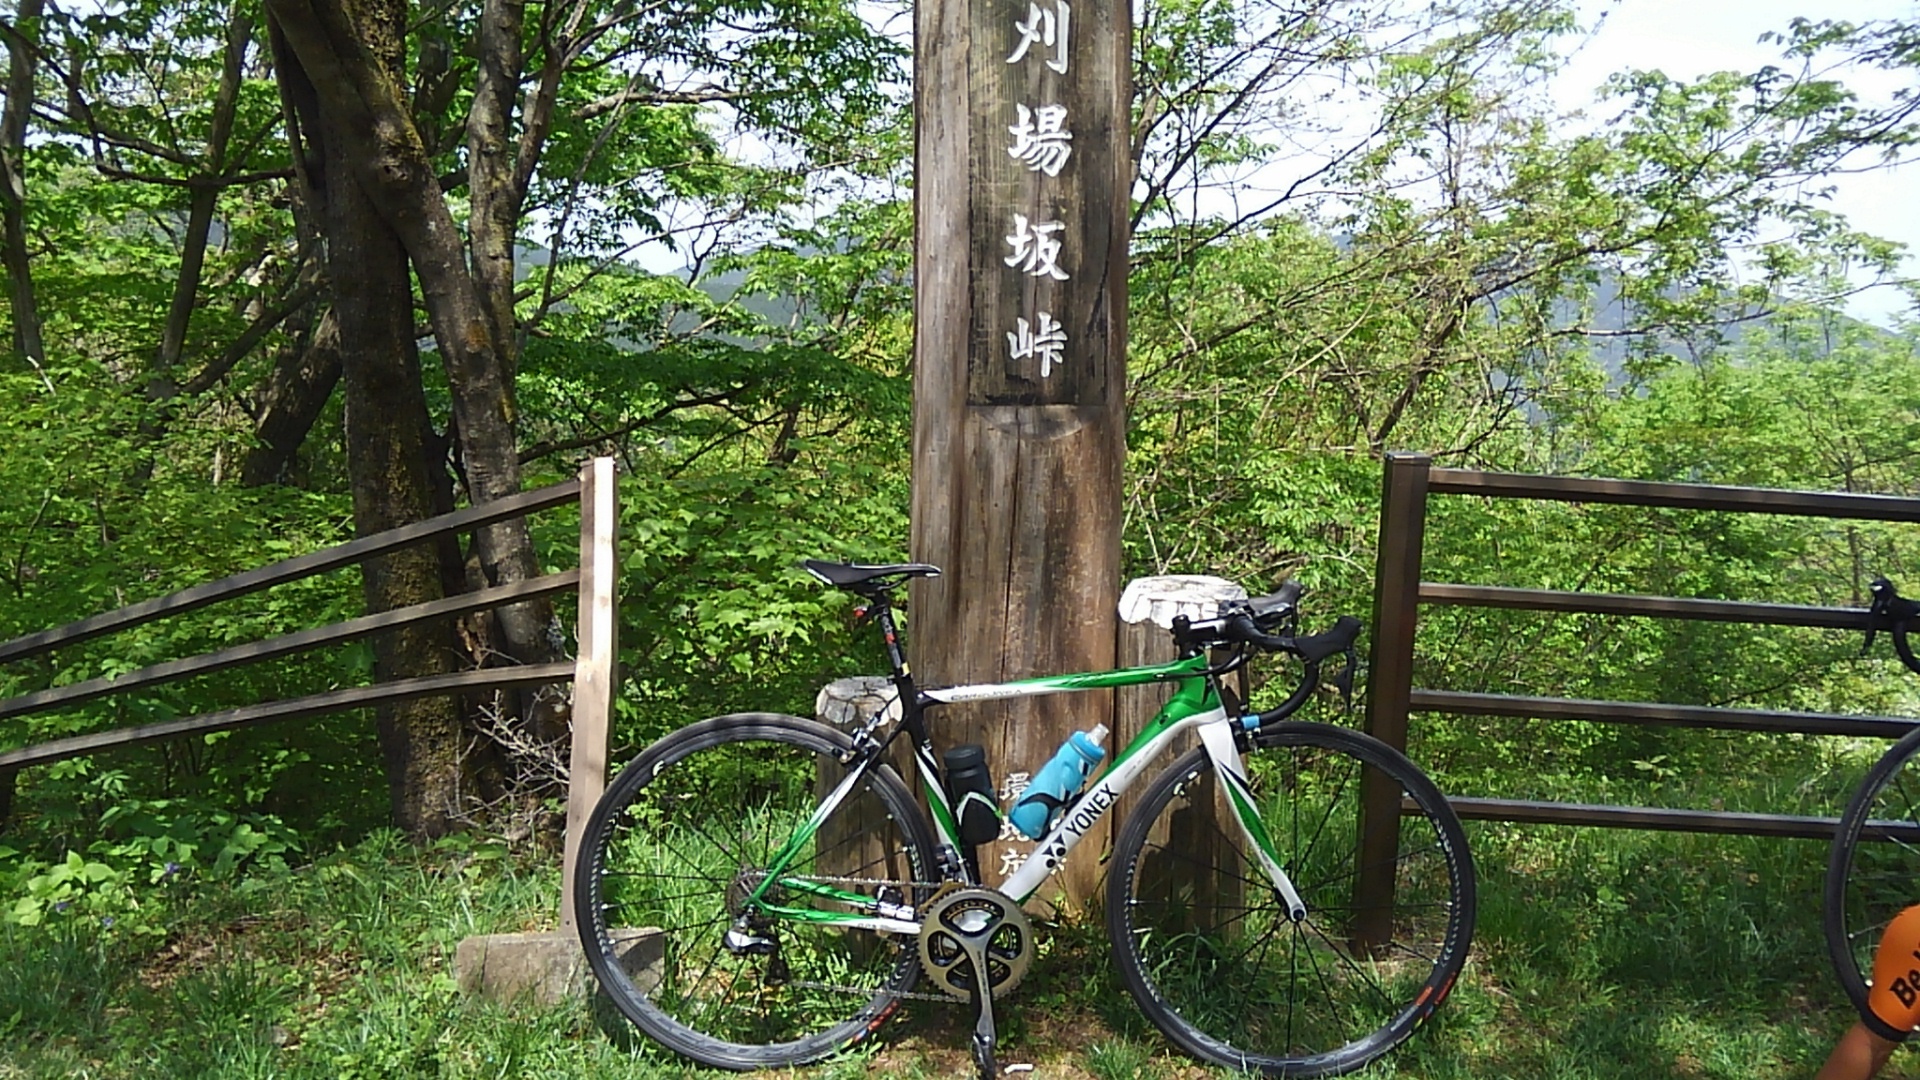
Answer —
1196 704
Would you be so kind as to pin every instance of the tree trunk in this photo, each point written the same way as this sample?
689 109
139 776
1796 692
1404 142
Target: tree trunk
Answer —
361 96
27 343
391 443
203 199
295 393
306 370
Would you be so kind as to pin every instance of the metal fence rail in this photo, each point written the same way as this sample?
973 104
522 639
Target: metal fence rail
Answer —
1411 480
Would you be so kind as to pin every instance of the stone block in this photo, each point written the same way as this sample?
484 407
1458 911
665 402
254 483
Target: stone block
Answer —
547 968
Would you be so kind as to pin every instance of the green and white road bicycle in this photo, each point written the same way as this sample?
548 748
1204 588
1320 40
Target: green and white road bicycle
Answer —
759 890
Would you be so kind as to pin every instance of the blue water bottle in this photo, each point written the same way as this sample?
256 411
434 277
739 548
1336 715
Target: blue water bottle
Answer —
1059 781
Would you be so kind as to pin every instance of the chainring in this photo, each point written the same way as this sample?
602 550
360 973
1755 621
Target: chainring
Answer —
978 915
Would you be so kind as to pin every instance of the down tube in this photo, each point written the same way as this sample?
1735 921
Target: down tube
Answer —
1086 811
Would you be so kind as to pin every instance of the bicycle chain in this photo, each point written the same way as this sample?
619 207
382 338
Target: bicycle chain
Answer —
938 889
908 995
931 886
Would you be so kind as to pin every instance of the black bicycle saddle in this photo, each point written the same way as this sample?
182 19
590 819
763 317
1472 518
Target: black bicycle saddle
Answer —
854 575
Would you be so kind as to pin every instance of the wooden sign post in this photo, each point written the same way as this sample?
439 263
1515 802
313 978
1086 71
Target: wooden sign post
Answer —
1021 199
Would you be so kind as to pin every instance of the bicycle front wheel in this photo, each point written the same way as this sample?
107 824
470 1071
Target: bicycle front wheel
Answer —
1873 870
1207 946
675 854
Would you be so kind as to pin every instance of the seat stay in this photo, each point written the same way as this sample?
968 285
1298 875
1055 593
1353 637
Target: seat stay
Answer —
789 851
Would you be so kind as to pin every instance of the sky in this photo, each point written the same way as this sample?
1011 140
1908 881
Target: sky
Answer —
1692 38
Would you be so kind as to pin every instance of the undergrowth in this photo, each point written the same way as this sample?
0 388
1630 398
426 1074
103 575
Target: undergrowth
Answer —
1600 955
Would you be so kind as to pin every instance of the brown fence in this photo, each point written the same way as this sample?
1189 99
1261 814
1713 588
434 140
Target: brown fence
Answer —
591 671
1411 480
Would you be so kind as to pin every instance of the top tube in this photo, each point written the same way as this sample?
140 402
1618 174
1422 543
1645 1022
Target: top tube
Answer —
1191 667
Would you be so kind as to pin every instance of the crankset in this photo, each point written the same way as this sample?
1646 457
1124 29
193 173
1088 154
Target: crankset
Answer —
975 944
980 918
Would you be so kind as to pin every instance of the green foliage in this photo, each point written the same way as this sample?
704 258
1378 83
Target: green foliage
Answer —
145 851
719 617
1462 295
1799 408
1120 1059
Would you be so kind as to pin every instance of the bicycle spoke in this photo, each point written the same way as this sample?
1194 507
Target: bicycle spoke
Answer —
618 904
1206 966
1327 815
684 927
1346 958
1248 951
1354 874
1179 856
656 875
1253 977
1320 973
698 821
713 959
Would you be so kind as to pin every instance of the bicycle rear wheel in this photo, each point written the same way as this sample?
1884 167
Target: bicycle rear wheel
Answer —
1873 870
1206 945
678 845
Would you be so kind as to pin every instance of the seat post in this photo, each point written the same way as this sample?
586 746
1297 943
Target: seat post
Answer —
890 632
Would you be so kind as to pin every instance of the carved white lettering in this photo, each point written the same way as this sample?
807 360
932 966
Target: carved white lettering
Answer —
1010 860
1048 341
1040 138
1035 251
1049 30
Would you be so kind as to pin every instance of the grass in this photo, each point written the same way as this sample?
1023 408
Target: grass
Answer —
1600 956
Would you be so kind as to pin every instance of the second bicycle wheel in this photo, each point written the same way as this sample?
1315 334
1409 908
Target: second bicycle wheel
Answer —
676 851
1208 948
1873 872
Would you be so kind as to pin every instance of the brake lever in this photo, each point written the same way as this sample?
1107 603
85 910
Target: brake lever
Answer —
1342 680
1247 631
1880 611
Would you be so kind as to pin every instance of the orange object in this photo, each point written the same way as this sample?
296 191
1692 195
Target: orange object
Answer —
1893 998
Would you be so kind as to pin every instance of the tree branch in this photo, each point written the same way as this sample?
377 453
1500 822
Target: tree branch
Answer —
560 446
299 297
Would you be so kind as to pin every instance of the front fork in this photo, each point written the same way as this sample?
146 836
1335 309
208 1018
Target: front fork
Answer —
1217 737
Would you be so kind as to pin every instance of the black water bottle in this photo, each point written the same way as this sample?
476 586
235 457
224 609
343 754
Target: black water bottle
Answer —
970 791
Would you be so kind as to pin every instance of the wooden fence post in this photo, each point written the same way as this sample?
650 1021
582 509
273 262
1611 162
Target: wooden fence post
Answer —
594 665
1403 519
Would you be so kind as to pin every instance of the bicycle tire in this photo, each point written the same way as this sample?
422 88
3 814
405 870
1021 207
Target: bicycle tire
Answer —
1873 868
673 846
1206 947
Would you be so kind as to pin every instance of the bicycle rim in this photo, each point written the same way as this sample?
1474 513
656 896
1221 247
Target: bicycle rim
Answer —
672 856
1873 871
1206 946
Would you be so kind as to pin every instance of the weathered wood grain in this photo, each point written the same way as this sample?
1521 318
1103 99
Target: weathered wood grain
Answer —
1017 477
596 668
